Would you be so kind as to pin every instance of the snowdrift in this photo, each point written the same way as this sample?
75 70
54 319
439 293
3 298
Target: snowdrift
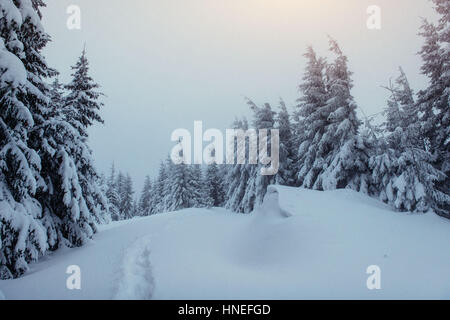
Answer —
299 244
271 205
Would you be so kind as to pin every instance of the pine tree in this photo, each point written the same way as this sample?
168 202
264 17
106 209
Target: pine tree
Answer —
81 104
113 195
195 187
120 189
214 191
125 190
160 186
145 201
237 176
345 152
247 186
435 99
287 160
402 169
22 104
311 120
178 195
80 110
56 98
264 118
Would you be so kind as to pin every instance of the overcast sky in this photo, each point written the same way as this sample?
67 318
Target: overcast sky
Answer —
165 63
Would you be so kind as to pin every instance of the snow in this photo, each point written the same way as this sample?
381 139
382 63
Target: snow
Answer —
12 69
299 244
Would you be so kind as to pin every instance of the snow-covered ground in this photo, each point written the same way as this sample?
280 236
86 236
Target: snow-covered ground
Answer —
300 244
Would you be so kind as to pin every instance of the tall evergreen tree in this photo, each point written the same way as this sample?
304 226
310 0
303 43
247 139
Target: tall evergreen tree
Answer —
82 103
287 159
120 189
113 195
345 158
311 120
22 237
214 191
237 175
435 99
402 170
160 187
80 110
178 195
195 187
145 201
56 97
247 186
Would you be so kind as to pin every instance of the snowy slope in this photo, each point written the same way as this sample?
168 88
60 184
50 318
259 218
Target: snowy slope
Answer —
299 244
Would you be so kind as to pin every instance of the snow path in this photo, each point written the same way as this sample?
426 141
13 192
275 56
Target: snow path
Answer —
300 244
136 281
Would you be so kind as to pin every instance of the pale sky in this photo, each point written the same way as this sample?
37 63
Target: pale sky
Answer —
165 63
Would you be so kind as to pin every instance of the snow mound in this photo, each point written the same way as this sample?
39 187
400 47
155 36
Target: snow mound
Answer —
271 205
2 296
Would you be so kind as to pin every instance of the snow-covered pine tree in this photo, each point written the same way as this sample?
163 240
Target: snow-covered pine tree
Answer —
56 97
120 187
113 195
81 107
311 118
345 157
287 159
22 237
214 186
251 184
264 118
178 193
237 176
195 187
402 169
68 220
159 203
82 103
434 101
145 201
124 188
126 197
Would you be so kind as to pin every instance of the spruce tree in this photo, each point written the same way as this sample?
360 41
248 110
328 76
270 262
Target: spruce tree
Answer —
402 170
196 187
159 202
237 176
145 201
311 120
82 103
56 97
264 119
434 100
214 186
22 236
80 109
113 195
247 186
345 152
178 195
287 159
